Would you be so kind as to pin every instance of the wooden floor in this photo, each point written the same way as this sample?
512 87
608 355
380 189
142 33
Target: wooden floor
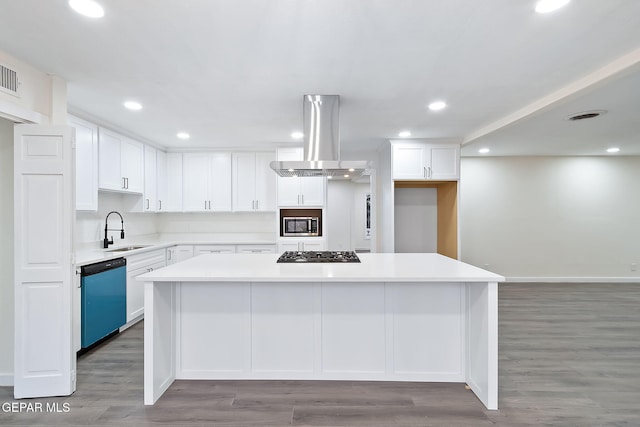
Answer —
569 356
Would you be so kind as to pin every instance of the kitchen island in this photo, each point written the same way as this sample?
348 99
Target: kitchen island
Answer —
391 317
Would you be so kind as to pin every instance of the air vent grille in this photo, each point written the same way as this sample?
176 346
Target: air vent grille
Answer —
586 115
8 80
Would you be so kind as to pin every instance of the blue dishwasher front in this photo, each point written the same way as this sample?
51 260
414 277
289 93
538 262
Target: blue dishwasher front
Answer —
104 299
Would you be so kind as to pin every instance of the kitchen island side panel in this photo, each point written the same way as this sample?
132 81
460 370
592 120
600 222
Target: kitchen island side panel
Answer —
315 330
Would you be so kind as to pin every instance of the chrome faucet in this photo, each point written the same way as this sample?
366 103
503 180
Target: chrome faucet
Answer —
106 242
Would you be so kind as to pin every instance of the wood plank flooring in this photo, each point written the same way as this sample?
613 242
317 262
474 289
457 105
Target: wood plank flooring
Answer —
569 356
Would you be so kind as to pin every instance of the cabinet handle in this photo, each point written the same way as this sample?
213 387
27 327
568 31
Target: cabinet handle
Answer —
257 205
205 205
169 255
429 172
302 197
127 183
298 199
424 172
147 204
124 186
159 205
209 204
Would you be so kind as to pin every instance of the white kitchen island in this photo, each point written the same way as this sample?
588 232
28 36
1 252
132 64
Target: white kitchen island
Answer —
392 317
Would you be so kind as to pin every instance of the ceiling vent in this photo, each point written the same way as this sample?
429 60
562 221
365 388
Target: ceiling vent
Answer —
586 115
9 81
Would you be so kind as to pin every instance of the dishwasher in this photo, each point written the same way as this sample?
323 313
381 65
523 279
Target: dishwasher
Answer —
103 299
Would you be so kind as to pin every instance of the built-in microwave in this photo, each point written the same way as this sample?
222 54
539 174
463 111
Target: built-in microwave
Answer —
300 226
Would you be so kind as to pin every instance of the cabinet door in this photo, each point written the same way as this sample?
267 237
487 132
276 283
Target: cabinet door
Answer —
171 255
312 191
132 165
109 160
265 182
150 179
409 162
444 163
173 195
86 164
244 181
220 182
135 293
195 182
288 191
161 181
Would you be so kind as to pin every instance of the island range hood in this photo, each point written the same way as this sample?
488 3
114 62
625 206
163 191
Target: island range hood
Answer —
322 143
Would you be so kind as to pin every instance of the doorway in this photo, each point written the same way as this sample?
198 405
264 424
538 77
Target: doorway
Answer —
6 253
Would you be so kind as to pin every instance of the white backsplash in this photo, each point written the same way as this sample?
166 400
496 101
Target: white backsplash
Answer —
90 225
89 230
217 222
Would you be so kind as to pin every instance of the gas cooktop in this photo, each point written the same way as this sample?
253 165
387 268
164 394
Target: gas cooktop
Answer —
319 256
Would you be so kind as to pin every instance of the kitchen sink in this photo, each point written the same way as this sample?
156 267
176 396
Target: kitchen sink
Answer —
128 248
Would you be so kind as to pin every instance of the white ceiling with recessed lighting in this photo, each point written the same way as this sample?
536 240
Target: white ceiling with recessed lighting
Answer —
232 73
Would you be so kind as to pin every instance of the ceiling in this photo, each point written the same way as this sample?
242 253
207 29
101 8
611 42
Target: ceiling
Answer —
232 73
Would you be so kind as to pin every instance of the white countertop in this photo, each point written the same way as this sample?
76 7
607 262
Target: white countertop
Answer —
374 267
89 255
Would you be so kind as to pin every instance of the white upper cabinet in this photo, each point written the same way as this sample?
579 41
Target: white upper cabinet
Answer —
150 179
86 164
296 191
253 182
425 161
161 181
206 182
121 163
170 199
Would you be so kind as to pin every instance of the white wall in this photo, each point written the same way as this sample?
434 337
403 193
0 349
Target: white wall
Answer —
547 217
416 220
36 91
6 252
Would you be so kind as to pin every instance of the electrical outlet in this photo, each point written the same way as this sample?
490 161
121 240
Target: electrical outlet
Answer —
634 266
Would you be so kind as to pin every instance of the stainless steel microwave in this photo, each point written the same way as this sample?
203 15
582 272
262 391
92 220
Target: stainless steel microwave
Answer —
300 226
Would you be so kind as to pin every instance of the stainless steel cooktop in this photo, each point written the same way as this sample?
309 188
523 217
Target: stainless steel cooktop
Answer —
319 256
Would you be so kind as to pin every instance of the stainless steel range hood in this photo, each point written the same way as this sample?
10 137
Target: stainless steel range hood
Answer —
322 143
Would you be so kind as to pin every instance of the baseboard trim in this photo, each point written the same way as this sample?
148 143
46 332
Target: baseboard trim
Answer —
573 279
6 380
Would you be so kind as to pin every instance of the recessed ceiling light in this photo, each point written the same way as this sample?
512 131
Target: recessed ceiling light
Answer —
352 170
183 135
346 176
132 105
613 150
87 8
546 6
404 134
437 105
297 135
483 150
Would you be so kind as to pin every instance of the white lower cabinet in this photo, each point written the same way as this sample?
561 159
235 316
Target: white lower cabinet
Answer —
137 265
213 249
179 253
302 245
256 249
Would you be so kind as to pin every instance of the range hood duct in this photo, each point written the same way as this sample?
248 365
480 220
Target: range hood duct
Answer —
322 143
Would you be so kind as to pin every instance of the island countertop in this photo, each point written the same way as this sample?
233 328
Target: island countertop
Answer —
374 267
